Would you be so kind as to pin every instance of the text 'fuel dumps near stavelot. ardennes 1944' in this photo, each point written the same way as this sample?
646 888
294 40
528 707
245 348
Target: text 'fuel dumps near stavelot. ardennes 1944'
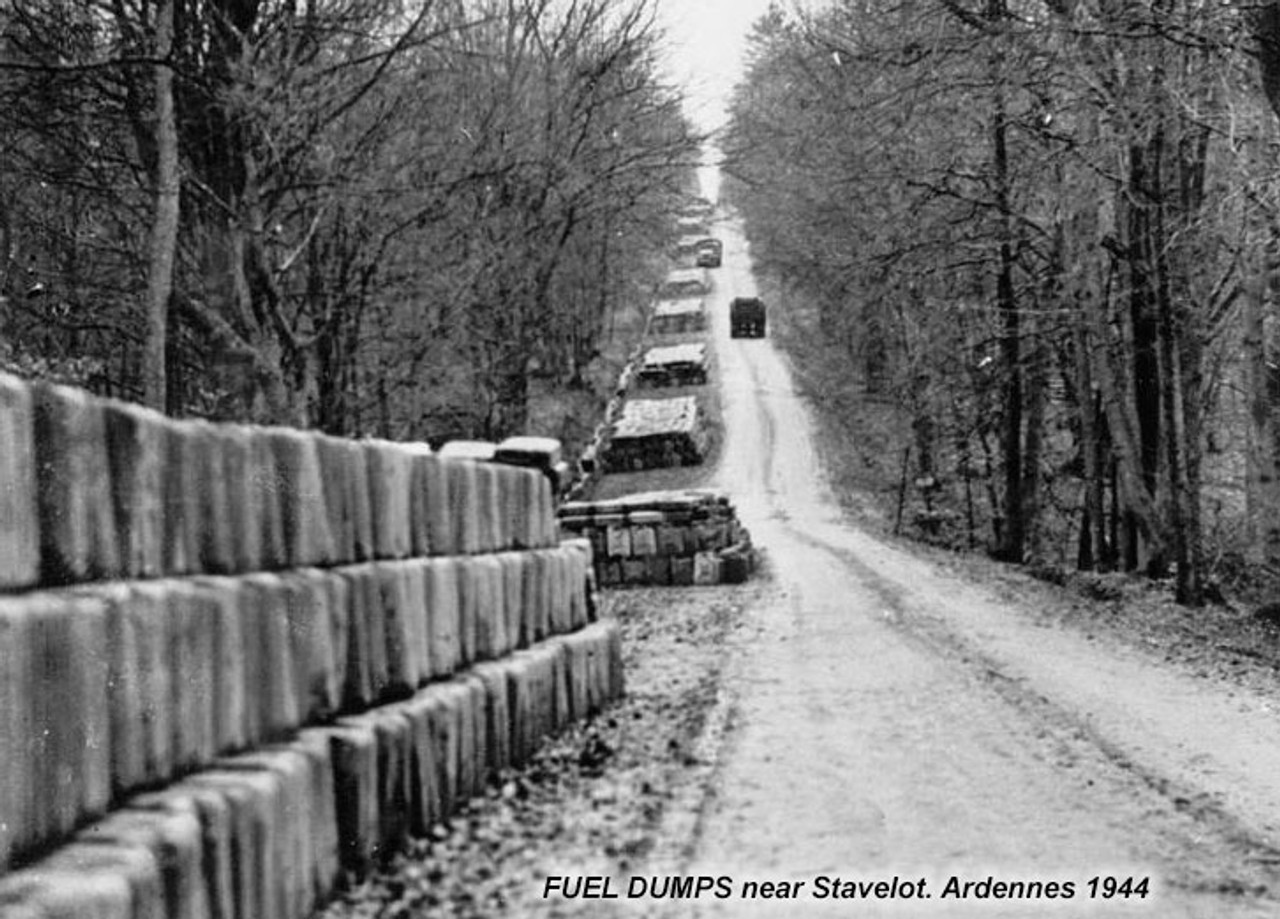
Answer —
834 887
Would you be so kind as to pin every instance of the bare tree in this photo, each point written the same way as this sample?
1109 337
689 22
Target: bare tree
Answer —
1048 190
164 231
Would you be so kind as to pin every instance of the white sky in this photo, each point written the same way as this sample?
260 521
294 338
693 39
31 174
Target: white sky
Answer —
707 39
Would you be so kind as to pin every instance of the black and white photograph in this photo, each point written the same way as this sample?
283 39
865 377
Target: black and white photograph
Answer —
639 459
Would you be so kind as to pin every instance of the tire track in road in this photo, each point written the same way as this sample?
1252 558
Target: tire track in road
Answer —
886 716
766 424
868 740
1185 813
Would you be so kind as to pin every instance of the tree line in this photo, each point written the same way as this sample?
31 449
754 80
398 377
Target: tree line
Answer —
1047 232
366 216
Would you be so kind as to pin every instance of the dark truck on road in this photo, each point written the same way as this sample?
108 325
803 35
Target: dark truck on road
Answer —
746 318
709 253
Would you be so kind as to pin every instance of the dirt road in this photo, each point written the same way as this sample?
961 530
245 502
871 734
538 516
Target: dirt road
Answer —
886 720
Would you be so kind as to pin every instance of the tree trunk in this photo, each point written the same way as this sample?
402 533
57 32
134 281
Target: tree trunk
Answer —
1144 322
1037 393
511 404
164 230
1262 531
1187 578
1134 499
1191 387
1179 357
1183 502
1266 30
1093 538
1012 545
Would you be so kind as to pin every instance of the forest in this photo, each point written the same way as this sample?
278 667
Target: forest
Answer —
1041 239
370 217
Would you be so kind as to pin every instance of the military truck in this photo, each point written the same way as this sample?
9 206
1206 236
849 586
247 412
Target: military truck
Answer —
746 318
709 253
541 453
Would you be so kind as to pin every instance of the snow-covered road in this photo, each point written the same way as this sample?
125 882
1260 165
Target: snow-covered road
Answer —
889 720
